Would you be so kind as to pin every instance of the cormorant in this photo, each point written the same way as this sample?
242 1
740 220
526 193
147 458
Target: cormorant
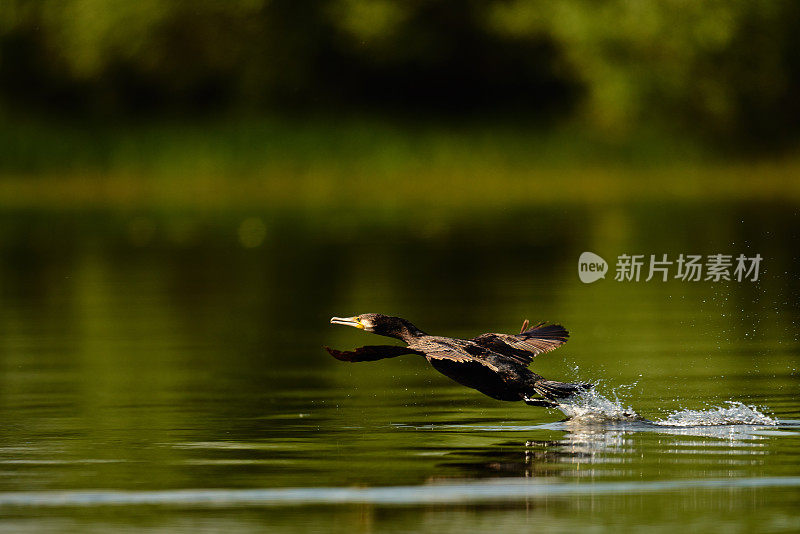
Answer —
494 364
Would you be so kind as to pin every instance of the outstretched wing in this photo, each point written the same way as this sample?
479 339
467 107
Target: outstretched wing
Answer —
453 350
522 347
370 353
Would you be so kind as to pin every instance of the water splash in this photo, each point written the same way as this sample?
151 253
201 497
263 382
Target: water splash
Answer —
591 407
734 413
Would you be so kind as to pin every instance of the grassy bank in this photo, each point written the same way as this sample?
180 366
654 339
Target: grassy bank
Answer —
390 166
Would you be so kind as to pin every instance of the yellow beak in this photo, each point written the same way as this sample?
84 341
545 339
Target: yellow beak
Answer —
348 321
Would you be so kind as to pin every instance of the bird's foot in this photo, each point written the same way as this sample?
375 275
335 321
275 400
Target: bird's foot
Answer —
542 403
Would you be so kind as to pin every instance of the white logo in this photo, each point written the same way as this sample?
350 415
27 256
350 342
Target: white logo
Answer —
591 267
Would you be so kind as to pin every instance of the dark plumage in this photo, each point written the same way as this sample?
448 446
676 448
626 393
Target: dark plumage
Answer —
494 364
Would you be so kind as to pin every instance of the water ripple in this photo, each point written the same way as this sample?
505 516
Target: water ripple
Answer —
486 491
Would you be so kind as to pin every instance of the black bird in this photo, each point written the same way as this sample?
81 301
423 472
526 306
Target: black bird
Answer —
494 364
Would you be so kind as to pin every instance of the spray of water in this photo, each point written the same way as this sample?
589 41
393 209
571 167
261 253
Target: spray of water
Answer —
592 407
733 413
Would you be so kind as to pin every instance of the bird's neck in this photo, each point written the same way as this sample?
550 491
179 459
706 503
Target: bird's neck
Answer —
409 333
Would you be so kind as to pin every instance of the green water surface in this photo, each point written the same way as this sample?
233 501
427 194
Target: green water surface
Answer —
165 372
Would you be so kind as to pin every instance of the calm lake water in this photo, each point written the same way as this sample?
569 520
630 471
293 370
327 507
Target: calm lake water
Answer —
165 372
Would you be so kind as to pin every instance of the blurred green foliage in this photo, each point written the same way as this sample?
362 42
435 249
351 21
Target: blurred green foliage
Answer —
390 169
725 70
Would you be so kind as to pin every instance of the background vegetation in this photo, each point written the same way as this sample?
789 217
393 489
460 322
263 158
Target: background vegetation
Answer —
287 102
726 71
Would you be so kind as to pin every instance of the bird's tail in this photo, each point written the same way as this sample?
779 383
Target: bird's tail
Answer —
552 390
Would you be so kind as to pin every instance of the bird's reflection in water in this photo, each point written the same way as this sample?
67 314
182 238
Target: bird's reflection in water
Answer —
604 450
540 458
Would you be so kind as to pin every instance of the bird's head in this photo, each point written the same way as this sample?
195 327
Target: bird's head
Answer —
383 325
